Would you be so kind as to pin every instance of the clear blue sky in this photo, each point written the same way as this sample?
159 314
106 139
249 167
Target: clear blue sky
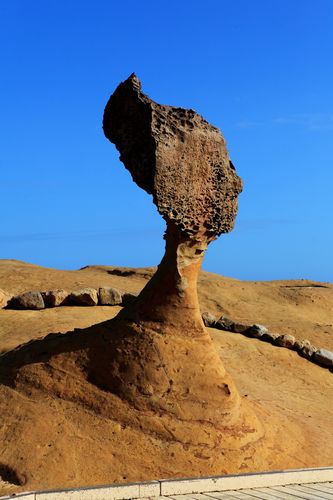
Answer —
261 70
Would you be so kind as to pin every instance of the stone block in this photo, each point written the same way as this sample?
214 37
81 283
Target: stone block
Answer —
239 327
256 331
84 297
149 489
208 319
55 298
108 296
308 351
27 300
128 298
4 298
224 323
241 481
285 340
323 357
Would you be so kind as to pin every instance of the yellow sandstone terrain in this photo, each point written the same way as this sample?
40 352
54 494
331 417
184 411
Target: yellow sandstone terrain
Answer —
78 434
300 307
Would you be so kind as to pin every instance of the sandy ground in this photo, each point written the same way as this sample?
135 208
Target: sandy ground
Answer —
300 307
291 396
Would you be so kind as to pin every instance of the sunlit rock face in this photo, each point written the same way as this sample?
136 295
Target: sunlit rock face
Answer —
182 160
147 384
178 157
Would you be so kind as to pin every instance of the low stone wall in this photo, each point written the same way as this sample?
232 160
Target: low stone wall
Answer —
36 300
108 296
303 347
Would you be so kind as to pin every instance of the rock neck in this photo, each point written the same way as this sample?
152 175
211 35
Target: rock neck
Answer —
170 298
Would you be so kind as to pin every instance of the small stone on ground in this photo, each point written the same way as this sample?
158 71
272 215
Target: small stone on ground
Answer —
27 300
84 297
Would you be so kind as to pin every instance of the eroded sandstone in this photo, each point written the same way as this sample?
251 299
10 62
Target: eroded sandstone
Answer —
178 157
153 368
28 300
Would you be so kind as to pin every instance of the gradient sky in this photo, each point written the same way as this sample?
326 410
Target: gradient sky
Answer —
260 70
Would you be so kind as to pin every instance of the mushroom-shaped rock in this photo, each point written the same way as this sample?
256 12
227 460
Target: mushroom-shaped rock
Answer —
153 368
178 157
257 331
181 160
84 297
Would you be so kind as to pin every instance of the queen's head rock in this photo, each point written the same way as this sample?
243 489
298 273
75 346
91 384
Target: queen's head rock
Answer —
182 161
152 372
178 157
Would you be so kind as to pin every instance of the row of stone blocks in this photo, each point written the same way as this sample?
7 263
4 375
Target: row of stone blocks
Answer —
36 300
186 486
320 356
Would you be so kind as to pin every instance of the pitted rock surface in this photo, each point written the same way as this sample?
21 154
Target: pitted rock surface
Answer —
178 157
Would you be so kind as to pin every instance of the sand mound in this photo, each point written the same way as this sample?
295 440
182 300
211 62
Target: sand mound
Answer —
75 397
78 409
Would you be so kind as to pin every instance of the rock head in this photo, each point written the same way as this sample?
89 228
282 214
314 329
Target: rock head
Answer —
178 157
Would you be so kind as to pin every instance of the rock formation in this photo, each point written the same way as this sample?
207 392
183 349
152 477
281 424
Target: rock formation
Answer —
153 369
178 157
166 361
182 160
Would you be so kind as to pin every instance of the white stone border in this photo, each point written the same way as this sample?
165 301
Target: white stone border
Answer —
241 481
183 486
